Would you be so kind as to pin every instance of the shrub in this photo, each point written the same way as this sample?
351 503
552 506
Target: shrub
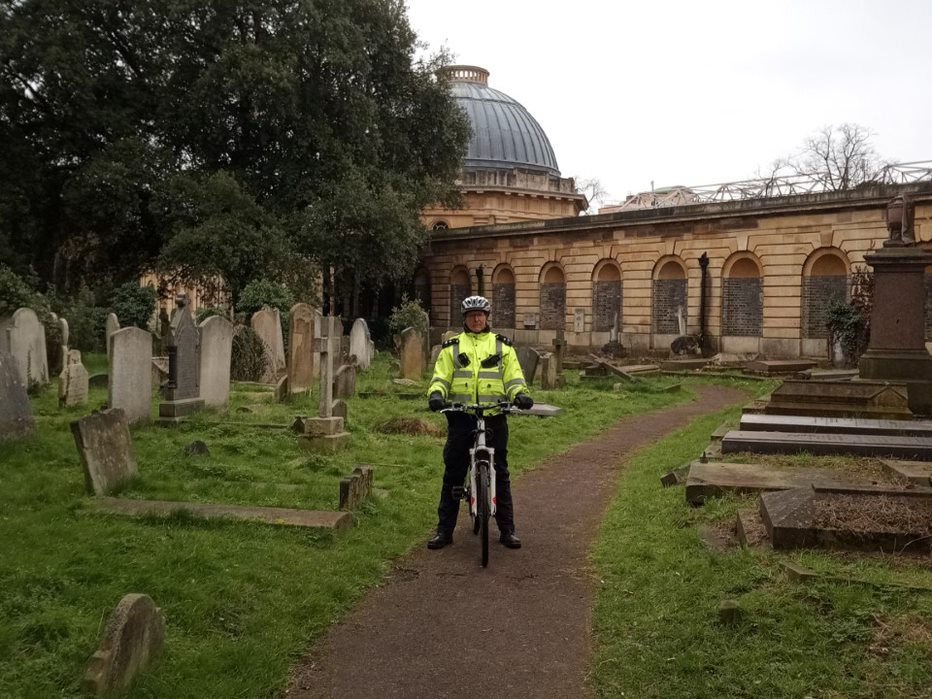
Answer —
847 326
15 293
86 322
248 361
204 313
408 314
134 304
262 292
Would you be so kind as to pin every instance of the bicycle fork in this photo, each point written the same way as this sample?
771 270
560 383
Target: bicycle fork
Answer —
476 455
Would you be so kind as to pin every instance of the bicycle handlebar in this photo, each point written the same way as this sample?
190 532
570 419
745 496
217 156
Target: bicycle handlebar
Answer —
503 405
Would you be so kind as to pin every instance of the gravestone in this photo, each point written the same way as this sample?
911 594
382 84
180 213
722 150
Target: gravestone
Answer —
326 431
528 358
23 336
134 635
412 354
74 381
106 450
356 488
579 320
339 409
344 382
268 325
182 391
130 382
216 335
301 348
361 343
15 412
549 378
111 325
559 348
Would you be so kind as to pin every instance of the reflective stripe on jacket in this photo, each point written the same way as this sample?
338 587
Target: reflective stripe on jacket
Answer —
460 377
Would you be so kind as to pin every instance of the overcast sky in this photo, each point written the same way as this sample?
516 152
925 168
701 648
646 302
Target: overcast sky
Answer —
691 93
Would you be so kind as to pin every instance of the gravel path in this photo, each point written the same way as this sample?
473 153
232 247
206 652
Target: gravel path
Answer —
441 626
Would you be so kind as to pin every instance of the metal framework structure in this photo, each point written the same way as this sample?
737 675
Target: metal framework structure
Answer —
776 186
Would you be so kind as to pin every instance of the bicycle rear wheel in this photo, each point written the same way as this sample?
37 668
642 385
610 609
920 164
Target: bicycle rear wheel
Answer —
483 511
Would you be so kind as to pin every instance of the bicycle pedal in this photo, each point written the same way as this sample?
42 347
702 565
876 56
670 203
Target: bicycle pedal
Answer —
458 492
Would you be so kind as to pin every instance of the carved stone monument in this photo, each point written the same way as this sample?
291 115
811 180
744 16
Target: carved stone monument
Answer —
326 431
301 348
182 391
412 354
106 450
74 382
216 334
268 325
360 344
130 385
897 349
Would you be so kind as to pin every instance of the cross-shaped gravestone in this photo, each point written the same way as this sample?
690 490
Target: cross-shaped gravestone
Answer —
326 432
559 347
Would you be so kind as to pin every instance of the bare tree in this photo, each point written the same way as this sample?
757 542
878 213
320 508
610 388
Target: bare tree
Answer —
840 157
594 191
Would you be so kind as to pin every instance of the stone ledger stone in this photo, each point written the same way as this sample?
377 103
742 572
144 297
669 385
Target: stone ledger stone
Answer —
130 384
15 412
106 450
134 635
216 353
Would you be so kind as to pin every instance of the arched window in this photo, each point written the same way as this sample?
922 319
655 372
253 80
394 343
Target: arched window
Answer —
742 298
439 226
552 298
669 294
503 298
606 297
459 289
825 281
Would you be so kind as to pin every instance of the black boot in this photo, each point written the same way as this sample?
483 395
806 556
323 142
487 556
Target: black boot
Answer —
510 540
440 540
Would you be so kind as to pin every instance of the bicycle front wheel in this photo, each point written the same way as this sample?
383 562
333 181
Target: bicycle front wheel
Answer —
483 511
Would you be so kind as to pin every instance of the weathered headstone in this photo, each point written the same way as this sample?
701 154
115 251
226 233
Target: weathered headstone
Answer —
528 358
340 410
549 378
559 348
281 389
182 391
344 382
301 348
74 381
134 635
356 488
268 325
130 383
106 450
23 336
216 352
111 325
360 343
56 346
412 354
15 412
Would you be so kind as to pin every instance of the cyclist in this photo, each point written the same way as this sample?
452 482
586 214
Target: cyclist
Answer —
476 366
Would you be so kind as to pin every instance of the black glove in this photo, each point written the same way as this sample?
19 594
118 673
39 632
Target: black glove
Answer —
524 401
436 402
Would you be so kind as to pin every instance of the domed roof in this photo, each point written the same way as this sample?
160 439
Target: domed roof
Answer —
504 134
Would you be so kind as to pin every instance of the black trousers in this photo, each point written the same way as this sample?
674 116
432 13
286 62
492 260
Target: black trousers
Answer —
460 428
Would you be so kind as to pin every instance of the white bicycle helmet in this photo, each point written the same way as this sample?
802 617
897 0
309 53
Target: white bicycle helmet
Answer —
476 303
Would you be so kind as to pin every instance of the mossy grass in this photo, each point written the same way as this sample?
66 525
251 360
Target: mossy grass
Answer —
853 632
241 601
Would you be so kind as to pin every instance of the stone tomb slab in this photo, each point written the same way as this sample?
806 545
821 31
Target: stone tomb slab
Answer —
916 448
916 472
323 519
779 366
863 398
707 480
815 424
684 364
134 635
106 450
866 519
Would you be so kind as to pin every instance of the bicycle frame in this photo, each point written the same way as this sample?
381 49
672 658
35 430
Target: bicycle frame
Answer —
480 457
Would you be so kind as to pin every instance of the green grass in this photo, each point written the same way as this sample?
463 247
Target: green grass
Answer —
656 620
241 601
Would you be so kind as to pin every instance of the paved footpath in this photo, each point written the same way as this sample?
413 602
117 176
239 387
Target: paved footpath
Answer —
441 626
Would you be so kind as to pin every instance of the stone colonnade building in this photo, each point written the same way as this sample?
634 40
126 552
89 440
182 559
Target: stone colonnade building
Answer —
774 266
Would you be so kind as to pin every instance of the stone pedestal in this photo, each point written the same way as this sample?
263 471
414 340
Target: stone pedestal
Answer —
176 410
897 349
324 434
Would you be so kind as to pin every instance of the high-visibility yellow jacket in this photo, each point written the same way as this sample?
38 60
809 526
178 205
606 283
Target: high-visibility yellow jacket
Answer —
477 368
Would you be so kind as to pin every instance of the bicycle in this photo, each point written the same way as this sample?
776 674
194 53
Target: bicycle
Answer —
479 487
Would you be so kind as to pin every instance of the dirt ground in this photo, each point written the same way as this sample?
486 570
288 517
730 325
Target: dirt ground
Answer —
441 626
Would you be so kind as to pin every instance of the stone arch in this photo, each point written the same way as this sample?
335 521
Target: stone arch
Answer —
439 225
824 281
669 296
552 297
742 296
607 295
503 296
460 288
